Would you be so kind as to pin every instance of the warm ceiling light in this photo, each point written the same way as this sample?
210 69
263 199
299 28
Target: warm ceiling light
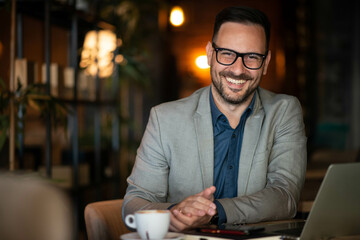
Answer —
98 51
201 62
120 59
177 16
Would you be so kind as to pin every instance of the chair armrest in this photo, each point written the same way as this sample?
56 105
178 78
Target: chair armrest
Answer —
103 220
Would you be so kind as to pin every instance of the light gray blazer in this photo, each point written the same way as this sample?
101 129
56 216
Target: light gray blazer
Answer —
176 158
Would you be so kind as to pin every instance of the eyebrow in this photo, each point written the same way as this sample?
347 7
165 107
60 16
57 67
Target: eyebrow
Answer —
216 46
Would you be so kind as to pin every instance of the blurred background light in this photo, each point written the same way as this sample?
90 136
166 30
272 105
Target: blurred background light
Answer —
98 52
201 62
177 17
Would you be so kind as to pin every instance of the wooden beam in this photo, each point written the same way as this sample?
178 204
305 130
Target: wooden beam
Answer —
12 87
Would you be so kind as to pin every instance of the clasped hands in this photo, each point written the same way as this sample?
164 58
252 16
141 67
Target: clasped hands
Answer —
193 211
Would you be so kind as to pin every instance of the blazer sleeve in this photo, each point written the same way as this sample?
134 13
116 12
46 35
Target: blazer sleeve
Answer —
285 173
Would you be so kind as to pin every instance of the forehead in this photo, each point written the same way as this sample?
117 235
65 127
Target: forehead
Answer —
241 37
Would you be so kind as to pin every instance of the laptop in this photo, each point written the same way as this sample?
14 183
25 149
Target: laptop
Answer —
335 211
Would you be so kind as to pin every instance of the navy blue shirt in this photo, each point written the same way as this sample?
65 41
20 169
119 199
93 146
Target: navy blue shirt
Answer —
227 149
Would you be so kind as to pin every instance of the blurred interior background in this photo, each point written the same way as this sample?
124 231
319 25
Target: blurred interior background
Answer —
78 79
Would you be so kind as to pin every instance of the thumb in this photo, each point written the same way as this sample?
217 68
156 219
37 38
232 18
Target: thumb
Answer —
208 193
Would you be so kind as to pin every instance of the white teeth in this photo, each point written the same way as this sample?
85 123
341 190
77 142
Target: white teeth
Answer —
234 81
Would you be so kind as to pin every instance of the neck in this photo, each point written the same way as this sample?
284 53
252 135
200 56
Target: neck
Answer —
232 112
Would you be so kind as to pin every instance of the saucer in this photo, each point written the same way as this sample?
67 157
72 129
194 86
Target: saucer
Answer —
168 236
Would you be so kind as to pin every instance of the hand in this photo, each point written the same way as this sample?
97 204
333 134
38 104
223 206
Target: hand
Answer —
193 211
199 204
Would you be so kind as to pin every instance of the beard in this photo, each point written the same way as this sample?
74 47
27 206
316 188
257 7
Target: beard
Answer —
228 98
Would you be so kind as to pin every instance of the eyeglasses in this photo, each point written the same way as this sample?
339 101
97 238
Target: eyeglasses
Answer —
227 57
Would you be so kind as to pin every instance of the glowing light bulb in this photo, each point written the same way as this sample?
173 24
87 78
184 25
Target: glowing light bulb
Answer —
177 16
201 62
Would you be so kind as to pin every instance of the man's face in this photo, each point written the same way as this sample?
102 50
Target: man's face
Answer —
235 84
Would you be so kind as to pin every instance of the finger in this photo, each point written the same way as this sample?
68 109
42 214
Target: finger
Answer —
176 224
191 222
202 203
181 211
210 190
196 205
172 228
192 211
200 207
201 211
208 193
181 220
197 198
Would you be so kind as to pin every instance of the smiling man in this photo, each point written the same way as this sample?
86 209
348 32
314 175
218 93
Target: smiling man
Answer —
231 152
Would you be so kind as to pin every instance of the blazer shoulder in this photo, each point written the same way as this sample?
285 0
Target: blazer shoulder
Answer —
271 100
187 105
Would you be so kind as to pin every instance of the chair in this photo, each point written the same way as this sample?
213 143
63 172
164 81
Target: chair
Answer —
103 220
32 208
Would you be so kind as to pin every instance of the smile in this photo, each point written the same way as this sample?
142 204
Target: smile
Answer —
234 81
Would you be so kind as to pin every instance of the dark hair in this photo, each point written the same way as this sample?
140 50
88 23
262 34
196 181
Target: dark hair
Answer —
241 14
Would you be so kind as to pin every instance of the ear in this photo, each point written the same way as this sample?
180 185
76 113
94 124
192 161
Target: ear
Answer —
209 52
266 63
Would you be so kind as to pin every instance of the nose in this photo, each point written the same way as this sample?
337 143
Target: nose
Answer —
238 66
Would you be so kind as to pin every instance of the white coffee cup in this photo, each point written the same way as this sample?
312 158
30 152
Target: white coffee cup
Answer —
149 224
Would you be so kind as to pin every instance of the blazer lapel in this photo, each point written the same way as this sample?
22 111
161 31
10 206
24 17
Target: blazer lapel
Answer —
205 138
250 139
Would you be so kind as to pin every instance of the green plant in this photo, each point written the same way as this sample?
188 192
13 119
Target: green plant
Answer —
34 97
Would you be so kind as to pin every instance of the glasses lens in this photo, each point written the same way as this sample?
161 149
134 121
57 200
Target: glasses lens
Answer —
253 60
226 57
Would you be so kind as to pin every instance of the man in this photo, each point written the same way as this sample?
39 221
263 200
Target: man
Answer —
231 152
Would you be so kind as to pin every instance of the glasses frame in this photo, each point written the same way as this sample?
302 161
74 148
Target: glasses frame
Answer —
217 49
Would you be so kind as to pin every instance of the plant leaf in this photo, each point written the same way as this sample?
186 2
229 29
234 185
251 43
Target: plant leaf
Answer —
34 105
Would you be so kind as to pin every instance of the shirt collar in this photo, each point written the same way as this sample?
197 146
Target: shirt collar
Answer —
216 113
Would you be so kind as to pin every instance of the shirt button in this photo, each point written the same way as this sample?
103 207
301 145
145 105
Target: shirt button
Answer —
234 135
230 167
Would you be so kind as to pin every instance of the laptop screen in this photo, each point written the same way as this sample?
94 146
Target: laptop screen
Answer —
336 209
